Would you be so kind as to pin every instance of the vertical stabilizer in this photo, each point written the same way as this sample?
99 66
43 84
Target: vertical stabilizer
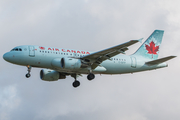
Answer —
150 48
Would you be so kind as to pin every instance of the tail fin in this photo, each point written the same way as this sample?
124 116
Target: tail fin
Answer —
150 48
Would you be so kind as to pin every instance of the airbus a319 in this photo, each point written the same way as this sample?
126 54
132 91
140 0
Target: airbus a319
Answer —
57 63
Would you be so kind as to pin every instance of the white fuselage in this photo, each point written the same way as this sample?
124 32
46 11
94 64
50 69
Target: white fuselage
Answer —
42 57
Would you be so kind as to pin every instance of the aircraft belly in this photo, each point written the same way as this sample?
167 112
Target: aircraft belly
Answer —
78 71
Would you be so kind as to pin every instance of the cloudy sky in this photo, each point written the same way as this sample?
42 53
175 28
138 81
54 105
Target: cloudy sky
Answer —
89 25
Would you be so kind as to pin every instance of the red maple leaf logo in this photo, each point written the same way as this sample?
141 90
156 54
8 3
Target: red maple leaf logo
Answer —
152 49
42 48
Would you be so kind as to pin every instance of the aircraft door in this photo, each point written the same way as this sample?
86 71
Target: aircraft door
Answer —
133 62
31 51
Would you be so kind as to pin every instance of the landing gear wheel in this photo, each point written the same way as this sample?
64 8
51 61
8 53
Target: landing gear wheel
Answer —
28 75
29 70
90 76
76 83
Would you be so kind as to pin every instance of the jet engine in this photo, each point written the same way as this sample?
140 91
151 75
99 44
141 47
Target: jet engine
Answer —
68 63
51 75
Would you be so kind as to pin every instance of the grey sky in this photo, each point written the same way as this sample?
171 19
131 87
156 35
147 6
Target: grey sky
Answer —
89 25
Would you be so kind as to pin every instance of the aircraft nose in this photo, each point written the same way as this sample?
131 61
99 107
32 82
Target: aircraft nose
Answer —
6 56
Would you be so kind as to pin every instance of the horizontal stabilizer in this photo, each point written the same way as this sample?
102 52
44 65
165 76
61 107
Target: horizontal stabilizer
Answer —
158 61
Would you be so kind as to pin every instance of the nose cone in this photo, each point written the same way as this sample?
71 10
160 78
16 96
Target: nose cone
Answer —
6 57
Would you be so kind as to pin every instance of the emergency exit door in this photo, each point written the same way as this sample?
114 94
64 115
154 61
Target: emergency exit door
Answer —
31 51
133 62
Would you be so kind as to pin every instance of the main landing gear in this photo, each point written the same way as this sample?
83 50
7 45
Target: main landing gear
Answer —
29 70
91 76
76 83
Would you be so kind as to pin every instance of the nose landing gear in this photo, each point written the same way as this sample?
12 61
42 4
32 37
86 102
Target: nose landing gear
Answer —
29 70
28 75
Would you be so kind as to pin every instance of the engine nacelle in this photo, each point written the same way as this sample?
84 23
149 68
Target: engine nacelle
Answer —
68 63
56 63
71 63
51 75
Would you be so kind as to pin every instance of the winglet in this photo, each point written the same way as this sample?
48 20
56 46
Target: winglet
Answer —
140 40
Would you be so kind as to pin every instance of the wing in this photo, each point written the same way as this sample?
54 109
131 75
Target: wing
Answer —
158 61
98 57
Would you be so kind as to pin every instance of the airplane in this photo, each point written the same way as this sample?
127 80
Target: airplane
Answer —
57 63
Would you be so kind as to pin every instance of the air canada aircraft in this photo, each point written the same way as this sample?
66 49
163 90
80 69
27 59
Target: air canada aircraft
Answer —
57 63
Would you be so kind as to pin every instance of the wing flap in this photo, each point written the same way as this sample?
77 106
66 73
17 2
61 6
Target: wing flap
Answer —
158 61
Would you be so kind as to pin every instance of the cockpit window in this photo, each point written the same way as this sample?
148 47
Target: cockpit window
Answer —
16 49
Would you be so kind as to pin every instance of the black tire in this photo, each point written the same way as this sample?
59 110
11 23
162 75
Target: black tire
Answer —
28 75
91 76
76 83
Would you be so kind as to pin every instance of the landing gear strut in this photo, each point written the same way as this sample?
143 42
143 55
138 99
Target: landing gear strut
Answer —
91 76
76 83
29 70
